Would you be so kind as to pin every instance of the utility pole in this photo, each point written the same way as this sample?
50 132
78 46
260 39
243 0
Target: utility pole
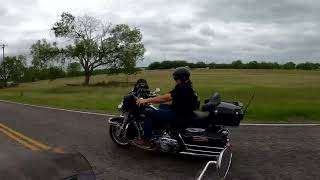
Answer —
3 46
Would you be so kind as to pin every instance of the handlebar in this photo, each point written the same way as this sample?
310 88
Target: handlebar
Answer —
143 95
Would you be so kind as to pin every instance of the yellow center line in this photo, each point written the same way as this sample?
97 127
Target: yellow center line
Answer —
22 139
33 148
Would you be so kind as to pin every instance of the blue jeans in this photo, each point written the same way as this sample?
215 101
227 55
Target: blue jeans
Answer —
157 118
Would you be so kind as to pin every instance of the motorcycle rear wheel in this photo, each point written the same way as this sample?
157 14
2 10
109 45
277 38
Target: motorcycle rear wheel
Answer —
120 141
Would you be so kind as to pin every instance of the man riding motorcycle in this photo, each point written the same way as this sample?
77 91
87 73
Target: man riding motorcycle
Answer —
184 102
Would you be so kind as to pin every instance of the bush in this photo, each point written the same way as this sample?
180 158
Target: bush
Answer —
74 69
308 66
55 73
289 65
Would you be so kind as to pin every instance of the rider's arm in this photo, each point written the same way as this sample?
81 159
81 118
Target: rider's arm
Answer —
160 99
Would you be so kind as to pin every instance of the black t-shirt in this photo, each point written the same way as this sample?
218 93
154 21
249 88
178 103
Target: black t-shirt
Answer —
184 99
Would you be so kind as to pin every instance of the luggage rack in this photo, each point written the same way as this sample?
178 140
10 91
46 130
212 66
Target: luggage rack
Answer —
204 151
222 164
222 156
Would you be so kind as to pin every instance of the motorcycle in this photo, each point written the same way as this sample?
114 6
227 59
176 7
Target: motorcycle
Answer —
205 136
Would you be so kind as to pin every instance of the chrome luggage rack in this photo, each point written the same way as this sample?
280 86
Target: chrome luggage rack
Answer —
222 156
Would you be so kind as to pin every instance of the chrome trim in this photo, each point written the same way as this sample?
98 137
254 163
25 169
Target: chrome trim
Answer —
187 146
113 123
138 129
224 129
205 168
182 140
196 154
153 107
209 147
195 150
219 165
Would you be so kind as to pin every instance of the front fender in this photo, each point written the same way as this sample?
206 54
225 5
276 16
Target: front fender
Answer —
116 120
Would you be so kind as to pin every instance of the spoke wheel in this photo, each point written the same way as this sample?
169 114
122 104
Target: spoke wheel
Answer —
118 136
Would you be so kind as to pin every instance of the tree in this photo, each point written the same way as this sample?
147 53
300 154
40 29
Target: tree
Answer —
131 49
154 65
289 65
201 64
43 52
55 72
253 65
29 74
308 66
169 64
11 68
74 69
212 65
237 64
97 44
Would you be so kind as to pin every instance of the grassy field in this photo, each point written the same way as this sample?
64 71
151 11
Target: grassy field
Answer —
281 95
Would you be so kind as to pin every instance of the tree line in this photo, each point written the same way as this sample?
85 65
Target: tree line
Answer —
238 64
14 70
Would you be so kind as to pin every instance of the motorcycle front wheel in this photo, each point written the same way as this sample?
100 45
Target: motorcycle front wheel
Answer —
118 137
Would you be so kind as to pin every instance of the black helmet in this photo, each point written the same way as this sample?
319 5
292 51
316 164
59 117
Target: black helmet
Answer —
181 73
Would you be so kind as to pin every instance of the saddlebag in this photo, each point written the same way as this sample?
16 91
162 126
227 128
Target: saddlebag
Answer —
223 113
226 114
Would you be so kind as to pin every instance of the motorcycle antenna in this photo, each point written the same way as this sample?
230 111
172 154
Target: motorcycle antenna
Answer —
245 111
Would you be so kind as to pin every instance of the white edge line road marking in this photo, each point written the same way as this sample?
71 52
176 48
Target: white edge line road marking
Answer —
59 109
112 115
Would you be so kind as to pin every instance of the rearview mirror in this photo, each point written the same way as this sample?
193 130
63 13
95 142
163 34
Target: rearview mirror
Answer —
222 164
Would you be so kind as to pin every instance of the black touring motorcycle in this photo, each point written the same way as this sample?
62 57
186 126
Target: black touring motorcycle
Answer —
208 137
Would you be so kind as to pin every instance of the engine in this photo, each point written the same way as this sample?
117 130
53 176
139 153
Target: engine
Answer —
167 144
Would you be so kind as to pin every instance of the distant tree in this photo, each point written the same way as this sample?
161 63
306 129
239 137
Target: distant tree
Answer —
11 68
154 65
201 64
223 66
55 72
29 74
212 65
237 64
276 65
97 44
43 52
253 65
308 66
169 64
289 65
74 69
132 49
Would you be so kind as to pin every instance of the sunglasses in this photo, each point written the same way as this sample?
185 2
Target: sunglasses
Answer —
176 78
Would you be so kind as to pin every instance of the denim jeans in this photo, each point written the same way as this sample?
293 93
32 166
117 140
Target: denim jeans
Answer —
157 118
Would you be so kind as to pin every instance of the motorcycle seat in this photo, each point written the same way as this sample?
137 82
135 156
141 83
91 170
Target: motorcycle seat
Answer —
199 119
211 103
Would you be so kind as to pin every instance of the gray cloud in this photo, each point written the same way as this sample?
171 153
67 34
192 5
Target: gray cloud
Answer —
208 30
252 11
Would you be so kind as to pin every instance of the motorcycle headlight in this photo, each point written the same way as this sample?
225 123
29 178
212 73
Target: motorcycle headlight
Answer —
120 105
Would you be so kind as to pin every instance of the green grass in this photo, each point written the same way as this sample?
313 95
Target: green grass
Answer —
281 95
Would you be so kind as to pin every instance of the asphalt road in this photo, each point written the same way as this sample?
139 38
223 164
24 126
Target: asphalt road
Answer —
260 152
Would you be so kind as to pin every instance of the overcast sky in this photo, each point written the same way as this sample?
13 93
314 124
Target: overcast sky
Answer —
208 30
